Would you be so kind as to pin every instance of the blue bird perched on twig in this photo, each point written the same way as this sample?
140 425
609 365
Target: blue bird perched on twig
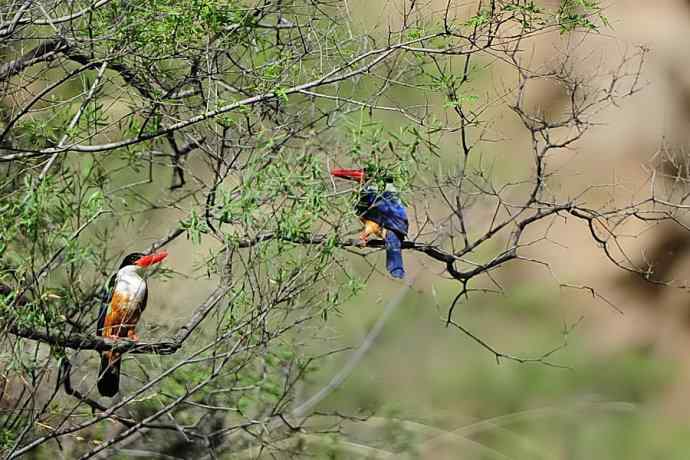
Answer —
383 215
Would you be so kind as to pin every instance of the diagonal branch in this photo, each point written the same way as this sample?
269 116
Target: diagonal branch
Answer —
92 342
46 51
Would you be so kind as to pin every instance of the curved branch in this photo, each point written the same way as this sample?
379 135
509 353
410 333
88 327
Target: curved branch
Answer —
336 75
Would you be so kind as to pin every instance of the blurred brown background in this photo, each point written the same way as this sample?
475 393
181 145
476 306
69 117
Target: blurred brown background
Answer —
626 394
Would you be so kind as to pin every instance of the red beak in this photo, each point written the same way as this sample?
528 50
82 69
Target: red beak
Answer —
356 175
151 259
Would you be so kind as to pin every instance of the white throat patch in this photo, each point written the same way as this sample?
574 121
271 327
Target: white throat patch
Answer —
130 283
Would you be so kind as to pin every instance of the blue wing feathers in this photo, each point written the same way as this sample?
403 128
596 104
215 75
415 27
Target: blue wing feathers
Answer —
387 210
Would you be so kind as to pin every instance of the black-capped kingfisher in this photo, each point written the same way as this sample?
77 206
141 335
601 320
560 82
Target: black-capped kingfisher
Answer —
383 215
119 316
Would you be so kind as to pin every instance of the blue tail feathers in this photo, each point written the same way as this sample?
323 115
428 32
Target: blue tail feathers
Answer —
394 260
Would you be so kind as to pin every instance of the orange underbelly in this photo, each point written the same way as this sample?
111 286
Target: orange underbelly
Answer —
122 316
372 228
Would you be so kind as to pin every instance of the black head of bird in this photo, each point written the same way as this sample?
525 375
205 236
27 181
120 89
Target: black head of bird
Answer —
141 260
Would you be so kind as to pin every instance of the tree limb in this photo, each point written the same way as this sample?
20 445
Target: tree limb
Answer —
46 51
92 342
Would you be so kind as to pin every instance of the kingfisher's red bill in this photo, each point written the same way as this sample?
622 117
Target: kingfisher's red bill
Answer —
347 173
151 259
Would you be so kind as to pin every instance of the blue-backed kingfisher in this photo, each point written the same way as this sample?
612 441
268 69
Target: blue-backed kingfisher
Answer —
383 215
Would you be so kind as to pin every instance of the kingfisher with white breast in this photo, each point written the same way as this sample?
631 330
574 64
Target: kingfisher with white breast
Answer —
119 316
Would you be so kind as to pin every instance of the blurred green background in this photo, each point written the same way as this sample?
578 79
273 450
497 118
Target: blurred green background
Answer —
437 394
